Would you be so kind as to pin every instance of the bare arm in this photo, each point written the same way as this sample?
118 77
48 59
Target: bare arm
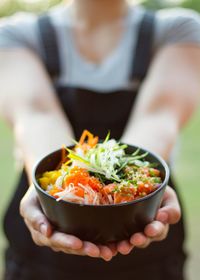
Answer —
167 99
29 103
165 103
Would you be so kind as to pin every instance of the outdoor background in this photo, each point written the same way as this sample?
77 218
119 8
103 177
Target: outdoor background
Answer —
187 162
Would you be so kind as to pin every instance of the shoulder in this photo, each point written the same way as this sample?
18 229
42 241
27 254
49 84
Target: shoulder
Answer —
22 29
17 30
60 16
177 14
176 26
136 13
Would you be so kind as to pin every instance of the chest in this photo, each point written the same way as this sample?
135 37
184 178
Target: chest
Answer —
96 44
91 109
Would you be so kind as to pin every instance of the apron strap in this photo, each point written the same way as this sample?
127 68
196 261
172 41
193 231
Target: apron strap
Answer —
144 48
49 44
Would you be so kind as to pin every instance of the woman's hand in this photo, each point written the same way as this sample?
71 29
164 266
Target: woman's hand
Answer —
43 234
168 214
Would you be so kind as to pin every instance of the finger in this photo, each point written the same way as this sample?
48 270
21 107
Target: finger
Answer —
113 248
41 240
58 242
105 252
145 244
163 235
38 221
90 249
170 211
154 229
37 238
73 245
124 247
31 211
36 235
162 216
138 239
55 249
64 241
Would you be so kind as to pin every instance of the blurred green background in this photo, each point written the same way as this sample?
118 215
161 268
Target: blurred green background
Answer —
187 162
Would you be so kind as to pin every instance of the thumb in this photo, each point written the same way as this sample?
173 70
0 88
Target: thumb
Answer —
170 211
30 210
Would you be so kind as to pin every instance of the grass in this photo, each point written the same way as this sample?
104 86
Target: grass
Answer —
188 176
186 170
7 177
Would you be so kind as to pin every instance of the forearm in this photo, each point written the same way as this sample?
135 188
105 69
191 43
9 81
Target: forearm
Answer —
166 100
29 103
38 133
156 132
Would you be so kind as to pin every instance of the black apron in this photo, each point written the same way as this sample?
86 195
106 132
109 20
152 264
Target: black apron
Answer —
99 113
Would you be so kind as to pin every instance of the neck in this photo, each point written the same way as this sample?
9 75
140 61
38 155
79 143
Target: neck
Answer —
99 11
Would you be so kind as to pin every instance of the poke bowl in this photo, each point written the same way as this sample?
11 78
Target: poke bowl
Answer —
100 191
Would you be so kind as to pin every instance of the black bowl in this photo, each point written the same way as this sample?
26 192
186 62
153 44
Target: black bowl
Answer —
100 223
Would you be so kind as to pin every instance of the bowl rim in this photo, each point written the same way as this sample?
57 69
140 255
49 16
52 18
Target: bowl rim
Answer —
139 200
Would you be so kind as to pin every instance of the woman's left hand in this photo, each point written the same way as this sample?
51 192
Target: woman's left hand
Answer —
168 214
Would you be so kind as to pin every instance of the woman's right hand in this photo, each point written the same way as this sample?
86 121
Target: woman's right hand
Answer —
44 235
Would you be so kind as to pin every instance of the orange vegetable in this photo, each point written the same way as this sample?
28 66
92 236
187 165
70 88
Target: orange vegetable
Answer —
120 197
91 140
109 189
144 188
54 191
79 176
63 157
79 191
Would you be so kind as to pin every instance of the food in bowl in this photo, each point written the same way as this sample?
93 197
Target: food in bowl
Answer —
121 210
101 173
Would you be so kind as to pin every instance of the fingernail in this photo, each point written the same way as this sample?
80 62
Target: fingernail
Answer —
43 229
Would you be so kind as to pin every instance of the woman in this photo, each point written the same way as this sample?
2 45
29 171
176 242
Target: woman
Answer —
82 66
